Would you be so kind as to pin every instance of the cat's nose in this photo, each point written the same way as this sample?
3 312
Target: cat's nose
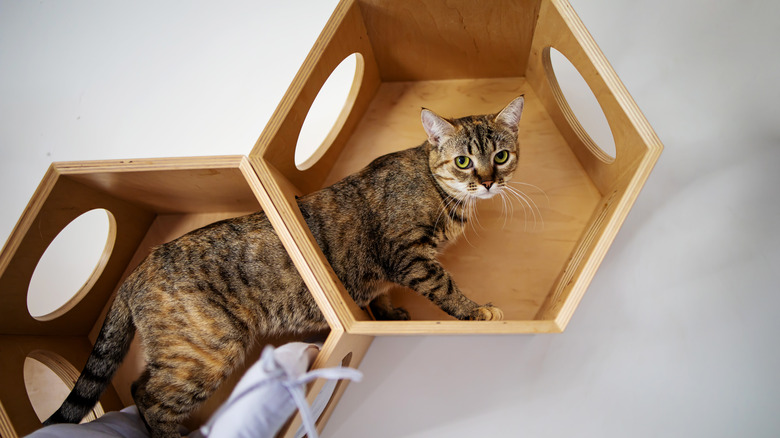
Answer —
487 184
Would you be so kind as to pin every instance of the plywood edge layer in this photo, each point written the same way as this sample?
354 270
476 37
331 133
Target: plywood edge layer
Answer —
29 216
382 328
301 77
290 233
6 427
622 208
609 75
338 346
145 164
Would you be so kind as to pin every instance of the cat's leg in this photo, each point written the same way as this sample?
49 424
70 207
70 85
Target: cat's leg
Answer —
140 396
383 310
428 277
149 404
173 385
186 362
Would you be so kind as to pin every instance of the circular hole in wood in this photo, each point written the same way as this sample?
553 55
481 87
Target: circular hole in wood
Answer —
580 106
71 264
329 111
48 379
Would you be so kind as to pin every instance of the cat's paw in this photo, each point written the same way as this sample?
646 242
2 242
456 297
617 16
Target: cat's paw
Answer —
398 314
486 313
391 314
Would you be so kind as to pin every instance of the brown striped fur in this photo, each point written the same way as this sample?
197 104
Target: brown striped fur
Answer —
199 301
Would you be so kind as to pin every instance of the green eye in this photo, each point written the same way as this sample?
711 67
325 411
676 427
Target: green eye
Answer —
463 162
501 157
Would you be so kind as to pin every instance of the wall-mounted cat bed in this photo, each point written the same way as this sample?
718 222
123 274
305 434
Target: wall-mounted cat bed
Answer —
148 202
455 57
461 58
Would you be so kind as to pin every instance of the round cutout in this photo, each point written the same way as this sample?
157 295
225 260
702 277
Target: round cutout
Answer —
71 264
47 388
329 111
581 107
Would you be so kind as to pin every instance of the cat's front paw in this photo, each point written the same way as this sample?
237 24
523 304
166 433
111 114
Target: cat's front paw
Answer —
396 314
390 314
486 313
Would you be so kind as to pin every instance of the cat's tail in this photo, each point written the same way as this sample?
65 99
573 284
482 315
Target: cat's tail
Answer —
110 348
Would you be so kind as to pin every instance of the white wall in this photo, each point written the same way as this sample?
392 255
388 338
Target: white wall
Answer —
677 335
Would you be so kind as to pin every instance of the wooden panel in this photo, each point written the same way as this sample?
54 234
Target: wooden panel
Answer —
133 191
580 198
343 35
6 425
619 181
408 328
170 185
14 350
138 193
637 146
445 39
54 205
581 266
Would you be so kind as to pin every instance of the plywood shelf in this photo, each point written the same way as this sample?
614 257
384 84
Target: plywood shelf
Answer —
456 57
536 264
151 202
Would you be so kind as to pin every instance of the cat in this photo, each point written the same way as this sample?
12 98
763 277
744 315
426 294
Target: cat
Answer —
199 301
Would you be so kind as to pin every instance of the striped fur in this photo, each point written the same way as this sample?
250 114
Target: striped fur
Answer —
199 301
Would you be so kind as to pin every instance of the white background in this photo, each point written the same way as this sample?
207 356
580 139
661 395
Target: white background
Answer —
678 333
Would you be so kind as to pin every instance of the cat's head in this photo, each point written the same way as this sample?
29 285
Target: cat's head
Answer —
476 155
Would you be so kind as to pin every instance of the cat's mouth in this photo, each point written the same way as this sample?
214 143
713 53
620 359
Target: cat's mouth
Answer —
483 193
474 191
484 190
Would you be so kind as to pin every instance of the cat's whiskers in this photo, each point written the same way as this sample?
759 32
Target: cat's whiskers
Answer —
521 198
526 201
472 202
475 203
442 206
507 209
460 205
464 203
539 189
443 210
467 205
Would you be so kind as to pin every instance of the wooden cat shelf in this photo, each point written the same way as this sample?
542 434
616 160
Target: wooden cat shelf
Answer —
454 57
149 202
460 58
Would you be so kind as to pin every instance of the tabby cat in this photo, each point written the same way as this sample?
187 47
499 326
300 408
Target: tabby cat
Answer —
199 301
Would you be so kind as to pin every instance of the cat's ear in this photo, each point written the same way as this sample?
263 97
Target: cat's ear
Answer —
510 115
437 128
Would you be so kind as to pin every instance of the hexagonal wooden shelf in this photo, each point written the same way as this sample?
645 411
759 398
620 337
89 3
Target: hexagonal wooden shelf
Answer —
149 202
459 58
455 57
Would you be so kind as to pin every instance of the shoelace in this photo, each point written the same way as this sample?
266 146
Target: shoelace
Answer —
294 386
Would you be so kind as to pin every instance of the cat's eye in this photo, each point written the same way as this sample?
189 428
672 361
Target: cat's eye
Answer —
501 157
463 162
